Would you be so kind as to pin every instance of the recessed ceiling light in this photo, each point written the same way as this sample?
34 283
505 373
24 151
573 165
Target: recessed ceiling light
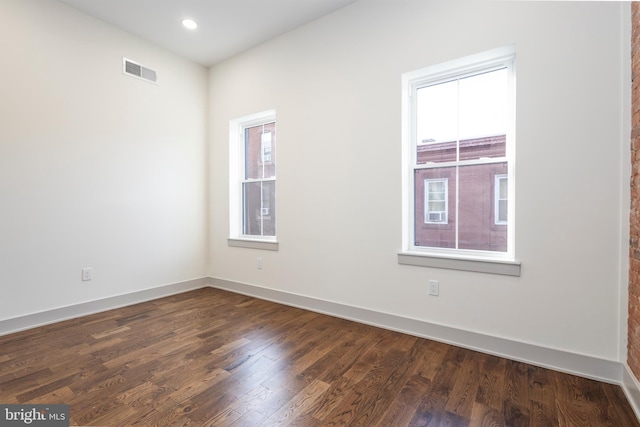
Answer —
190 24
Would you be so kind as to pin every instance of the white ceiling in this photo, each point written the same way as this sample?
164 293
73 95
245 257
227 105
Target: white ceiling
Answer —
225 27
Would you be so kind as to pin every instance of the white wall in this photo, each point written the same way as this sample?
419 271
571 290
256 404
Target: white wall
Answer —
101 170
336 87
97 169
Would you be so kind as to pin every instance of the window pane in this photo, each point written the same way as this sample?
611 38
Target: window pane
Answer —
502 211
483 115
436 187
437 122
435 208
503 188
470 112
477 229
260 147
259 215
437 113
483 104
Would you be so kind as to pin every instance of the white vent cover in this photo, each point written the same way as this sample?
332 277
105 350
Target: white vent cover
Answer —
134 69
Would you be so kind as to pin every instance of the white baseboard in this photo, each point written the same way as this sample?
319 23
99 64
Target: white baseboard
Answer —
577 364
29 321
631 387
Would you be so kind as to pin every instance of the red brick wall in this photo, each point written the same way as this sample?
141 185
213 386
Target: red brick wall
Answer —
634 241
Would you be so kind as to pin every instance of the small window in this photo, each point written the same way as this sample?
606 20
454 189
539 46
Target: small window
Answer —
501 199
266 147
252 176
436 201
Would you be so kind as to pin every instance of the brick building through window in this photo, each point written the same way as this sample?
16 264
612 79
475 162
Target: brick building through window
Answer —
471 205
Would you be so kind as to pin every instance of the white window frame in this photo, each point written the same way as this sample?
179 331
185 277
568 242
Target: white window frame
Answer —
460 259
236 179
497 199
428 212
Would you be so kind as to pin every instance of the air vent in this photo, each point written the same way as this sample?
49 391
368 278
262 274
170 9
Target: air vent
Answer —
140 71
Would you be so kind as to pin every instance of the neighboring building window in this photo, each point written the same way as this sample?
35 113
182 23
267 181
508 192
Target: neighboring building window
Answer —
436 200
501 199
253 177
459 156
266 146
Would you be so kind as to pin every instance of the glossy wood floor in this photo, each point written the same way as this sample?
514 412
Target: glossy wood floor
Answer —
213 358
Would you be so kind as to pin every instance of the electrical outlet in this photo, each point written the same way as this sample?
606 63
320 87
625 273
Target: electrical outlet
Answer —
87 274
434 288
259 263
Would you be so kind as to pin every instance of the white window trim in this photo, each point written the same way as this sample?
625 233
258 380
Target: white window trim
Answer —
236 169
458 259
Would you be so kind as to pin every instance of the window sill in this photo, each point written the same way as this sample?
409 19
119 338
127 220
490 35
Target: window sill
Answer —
508 268
267 245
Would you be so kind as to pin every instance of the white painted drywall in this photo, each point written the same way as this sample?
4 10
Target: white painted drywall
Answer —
335 84
97 169
101 170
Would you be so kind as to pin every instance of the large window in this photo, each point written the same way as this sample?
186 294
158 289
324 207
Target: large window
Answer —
253 178
459 158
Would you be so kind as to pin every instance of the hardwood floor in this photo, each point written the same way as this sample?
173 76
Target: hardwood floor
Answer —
214 358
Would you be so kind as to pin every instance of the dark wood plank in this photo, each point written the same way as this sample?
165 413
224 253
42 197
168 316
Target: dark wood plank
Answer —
516 393
491 381
464 391
214 358
542 394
